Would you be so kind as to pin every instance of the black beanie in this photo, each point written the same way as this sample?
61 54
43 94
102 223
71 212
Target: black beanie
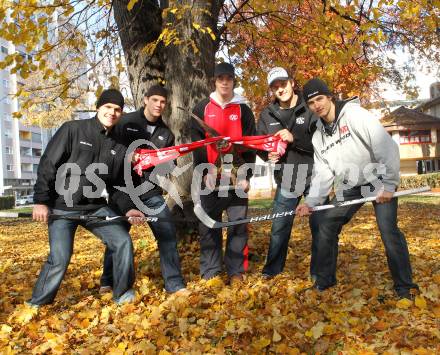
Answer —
224 69
157 90
315 87
112 96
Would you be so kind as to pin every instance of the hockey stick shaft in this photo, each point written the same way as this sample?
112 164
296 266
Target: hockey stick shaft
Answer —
88 218
211 223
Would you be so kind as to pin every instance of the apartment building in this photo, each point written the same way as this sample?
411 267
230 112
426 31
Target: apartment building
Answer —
21 146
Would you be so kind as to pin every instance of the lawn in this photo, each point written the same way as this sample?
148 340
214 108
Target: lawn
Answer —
360 315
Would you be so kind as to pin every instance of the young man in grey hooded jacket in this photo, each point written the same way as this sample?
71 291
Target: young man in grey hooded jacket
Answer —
357 157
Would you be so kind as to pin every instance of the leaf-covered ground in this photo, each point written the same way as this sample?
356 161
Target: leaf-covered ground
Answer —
358 316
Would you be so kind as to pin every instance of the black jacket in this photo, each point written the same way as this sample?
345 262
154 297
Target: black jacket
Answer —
133 126
302 124
81 142
198 133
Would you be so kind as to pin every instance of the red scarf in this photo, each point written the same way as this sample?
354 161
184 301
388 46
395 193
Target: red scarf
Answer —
147 158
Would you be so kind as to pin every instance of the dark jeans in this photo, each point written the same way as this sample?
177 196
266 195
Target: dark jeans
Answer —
165 234
211 240
327 225
280 233
61 237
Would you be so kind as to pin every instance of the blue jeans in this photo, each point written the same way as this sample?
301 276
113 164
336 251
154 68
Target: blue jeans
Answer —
327 226
280 233
61 237
165 234
211 240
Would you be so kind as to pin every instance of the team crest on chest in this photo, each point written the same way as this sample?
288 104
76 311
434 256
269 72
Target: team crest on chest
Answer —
233 117
300 120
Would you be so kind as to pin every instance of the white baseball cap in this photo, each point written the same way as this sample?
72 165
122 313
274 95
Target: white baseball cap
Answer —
277 73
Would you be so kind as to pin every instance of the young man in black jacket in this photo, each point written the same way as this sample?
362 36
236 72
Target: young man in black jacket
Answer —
229 115
288 117
84 156
147 124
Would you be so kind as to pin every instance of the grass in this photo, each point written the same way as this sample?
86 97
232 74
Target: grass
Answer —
21 210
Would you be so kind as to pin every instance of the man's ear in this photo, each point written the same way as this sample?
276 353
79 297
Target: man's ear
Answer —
145 100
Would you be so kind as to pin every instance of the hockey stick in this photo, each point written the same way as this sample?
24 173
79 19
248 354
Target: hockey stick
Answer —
211 223
92 218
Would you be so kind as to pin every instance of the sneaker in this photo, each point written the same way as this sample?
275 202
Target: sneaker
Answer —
105 289
320 288
128 297
409 294
32 305
267 276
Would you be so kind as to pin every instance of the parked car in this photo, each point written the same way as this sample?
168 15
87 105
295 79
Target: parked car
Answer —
24 200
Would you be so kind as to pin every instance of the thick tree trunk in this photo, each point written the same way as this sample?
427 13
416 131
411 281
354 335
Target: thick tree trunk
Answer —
186 73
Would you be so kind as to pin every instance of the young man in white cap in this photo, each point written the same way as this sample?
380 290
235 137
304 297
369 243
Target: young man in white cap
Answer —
289 117
354 153
84 156
228 114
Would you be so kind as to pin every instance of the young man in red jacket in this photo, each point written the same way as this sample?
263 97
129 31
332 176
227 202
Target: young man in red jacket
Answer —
229 115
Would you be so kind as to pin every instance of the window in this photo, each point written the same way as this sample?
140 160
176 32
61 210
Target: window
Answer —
9 167
427 166
27 168
8 150
8 117
260 170
35 168
414 137
7 100
4 50
5 83
26 152
36 137
8 133
36 152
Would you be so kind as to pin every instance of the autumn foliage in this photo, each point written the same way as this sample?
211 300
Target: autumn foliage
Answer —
359 316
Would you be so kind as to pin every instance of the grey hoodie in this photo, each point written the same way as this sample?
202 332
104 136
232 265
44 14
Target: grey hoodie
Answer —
344 158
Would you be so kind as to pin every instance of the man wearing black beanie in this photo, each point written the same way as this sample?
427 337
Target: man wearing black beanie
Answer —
147 124
81 160
356 157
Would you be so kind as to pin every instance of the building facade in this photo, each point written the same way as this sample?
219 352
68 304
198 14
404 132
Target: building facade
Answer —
417 131
21 146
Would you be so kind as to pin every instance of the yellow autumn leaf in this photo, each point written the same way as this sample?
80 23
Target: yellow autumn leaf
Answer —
420 302
131 4
404 303
422 351
317 330
261 343
276 337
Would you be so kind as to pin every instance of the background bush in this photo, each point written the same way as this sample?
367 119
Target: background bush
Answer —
411 182
7 202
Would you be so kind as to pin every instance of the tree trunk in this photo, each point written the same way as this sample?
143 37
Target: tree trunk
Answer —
186 73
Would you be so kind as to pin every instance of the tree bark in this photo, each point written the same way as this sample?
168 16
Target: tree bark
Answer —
186 72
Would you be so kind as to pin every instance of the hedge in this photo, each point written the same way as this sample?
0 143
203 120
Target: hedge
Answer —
414 181
7 202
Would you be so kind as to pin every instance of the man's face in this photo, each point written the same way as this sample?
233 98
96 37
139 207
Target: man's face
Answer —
282 89
109 114
320 105
154 106
224 85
